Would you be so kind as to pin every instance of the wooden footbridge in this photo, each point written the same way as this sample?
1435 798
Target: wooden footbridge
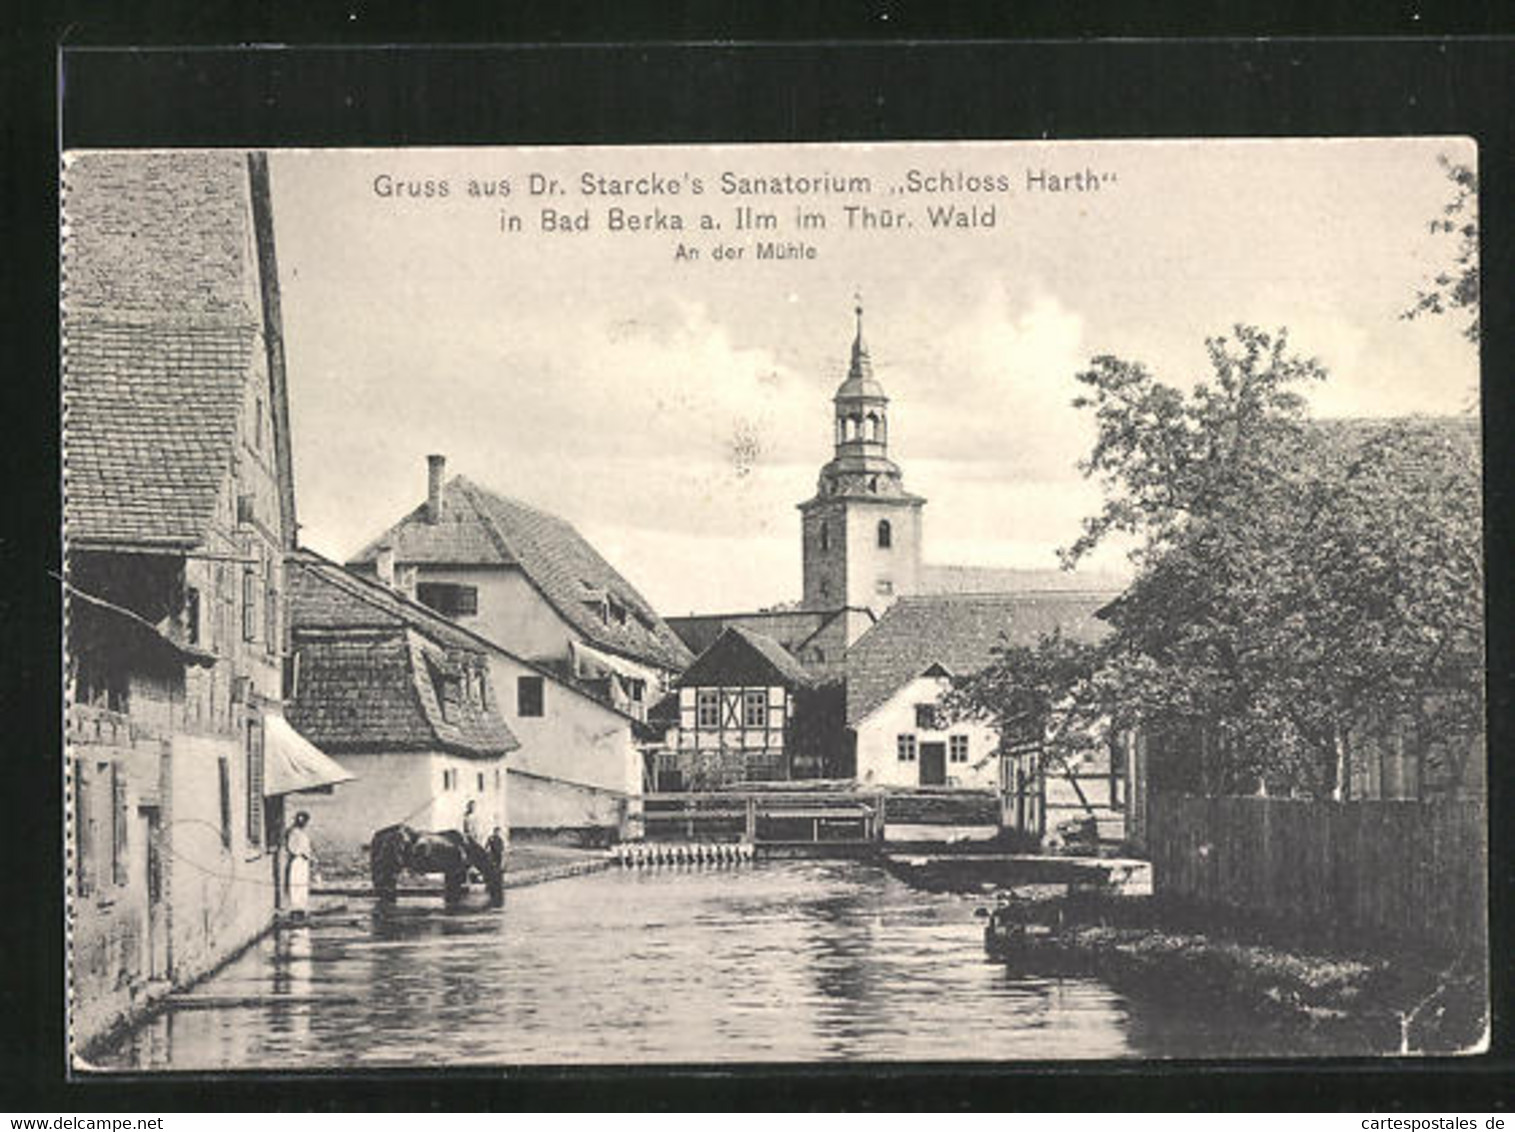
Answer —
773 819
809 820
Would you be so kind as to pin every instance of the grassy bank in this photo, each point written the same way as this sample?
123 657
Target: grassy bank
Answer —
1372 997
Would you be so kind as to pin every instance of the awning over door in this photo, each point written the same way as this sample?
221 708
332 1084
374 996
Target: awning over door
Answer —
292 763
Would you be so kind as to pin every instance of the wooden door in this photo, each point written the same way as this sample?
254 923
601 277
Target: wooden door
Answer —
933 764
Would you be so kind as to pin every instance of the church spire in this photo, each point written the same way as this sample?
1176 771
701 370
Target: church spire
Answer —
862 365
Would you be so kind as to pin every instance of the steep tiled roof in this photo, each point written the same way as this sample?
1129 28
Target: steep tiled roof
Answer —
959 632
358 691
789 627
150 419
326 595
161 330
165 235
742 657
476 527
370 676
323 595
952 579
366 690
775 654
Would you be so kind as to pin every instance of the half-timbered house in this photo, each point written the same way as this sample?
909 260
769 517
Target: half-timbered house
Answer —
746 710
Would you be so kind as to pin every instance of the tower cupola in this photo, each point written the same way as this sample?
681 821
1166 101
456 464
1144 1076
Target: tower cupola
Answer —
862 529
862 409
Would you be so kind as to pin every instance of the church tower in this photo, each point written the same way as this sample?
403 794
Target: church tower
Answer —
862 530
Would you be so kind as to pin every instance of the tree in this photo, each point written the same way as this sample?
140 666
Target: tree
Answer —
1455 288
1039 693
1301 587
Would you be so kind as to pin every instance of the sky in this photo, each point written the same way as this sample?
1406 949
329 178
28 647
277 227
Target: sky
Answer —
676 411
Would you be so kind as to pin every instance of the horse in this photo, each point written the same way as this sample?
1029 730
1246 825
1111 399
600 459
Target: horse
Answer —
396 848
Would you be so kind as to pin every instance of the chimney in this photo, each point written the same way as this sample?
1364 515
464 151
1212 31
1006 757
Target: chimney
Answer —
436 472
385 564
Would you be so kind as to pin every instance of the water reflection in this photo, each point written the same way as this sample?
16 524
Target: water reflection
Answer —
794 961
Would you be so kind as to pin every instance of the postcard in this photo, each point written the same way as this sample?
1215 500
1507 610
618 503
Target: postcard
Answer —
798 603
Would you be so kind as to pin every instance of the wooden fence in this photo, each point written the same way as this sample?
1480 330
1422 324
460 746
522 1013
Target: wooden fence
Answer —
1411 870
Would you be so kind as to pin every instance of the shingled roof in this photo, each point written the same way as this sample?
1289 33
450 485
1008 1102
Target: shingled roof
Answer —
959 632
791 628
161 331
477 527
382 691
741 657
371 677
325 595
150 419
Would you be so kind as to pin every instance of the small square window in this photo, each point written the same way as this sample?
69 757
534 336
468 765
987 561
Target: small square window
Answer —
884 586
905 748
927 717
957 748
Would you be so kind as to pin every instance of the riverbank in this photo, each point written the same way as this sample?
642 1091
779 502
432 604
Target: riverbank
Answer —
1372 997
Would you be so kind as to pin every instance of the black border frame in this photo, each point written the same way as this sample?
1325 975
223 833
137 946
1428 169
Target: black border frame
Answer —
620 91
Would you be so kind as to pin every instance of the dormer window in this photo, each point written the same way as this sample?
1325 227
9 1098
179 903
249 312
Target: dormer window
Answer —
617 612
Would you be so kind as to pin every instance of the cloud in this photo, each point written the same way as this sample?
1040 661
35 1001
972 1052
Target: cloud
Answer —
995 385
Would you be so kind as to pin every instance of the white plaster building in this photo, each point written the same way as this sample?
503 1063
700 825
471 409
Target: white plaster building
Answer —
529 582
447 715
898 672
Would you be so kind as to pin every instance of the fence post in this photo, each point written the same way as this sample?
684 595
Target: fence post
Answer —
751 819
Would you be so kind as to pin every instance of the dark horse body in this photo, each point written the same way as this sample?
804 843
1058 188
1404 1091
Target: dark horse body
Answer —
397 848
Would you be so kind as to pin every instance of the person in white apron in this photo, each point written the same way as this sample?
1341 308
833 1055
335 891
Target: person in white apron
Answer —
297 867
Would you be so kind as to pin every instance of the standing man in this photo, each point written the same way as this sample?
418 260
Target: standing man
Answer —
471 824
297 868
495 846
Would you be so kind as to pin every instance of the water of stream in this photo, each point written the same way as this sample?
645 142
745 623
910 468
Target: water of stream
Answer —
797 961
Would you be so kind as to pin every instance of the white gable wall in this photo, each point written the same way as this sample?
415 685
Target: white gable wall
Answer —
425 790
514 614
512 611
575 741
878 762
